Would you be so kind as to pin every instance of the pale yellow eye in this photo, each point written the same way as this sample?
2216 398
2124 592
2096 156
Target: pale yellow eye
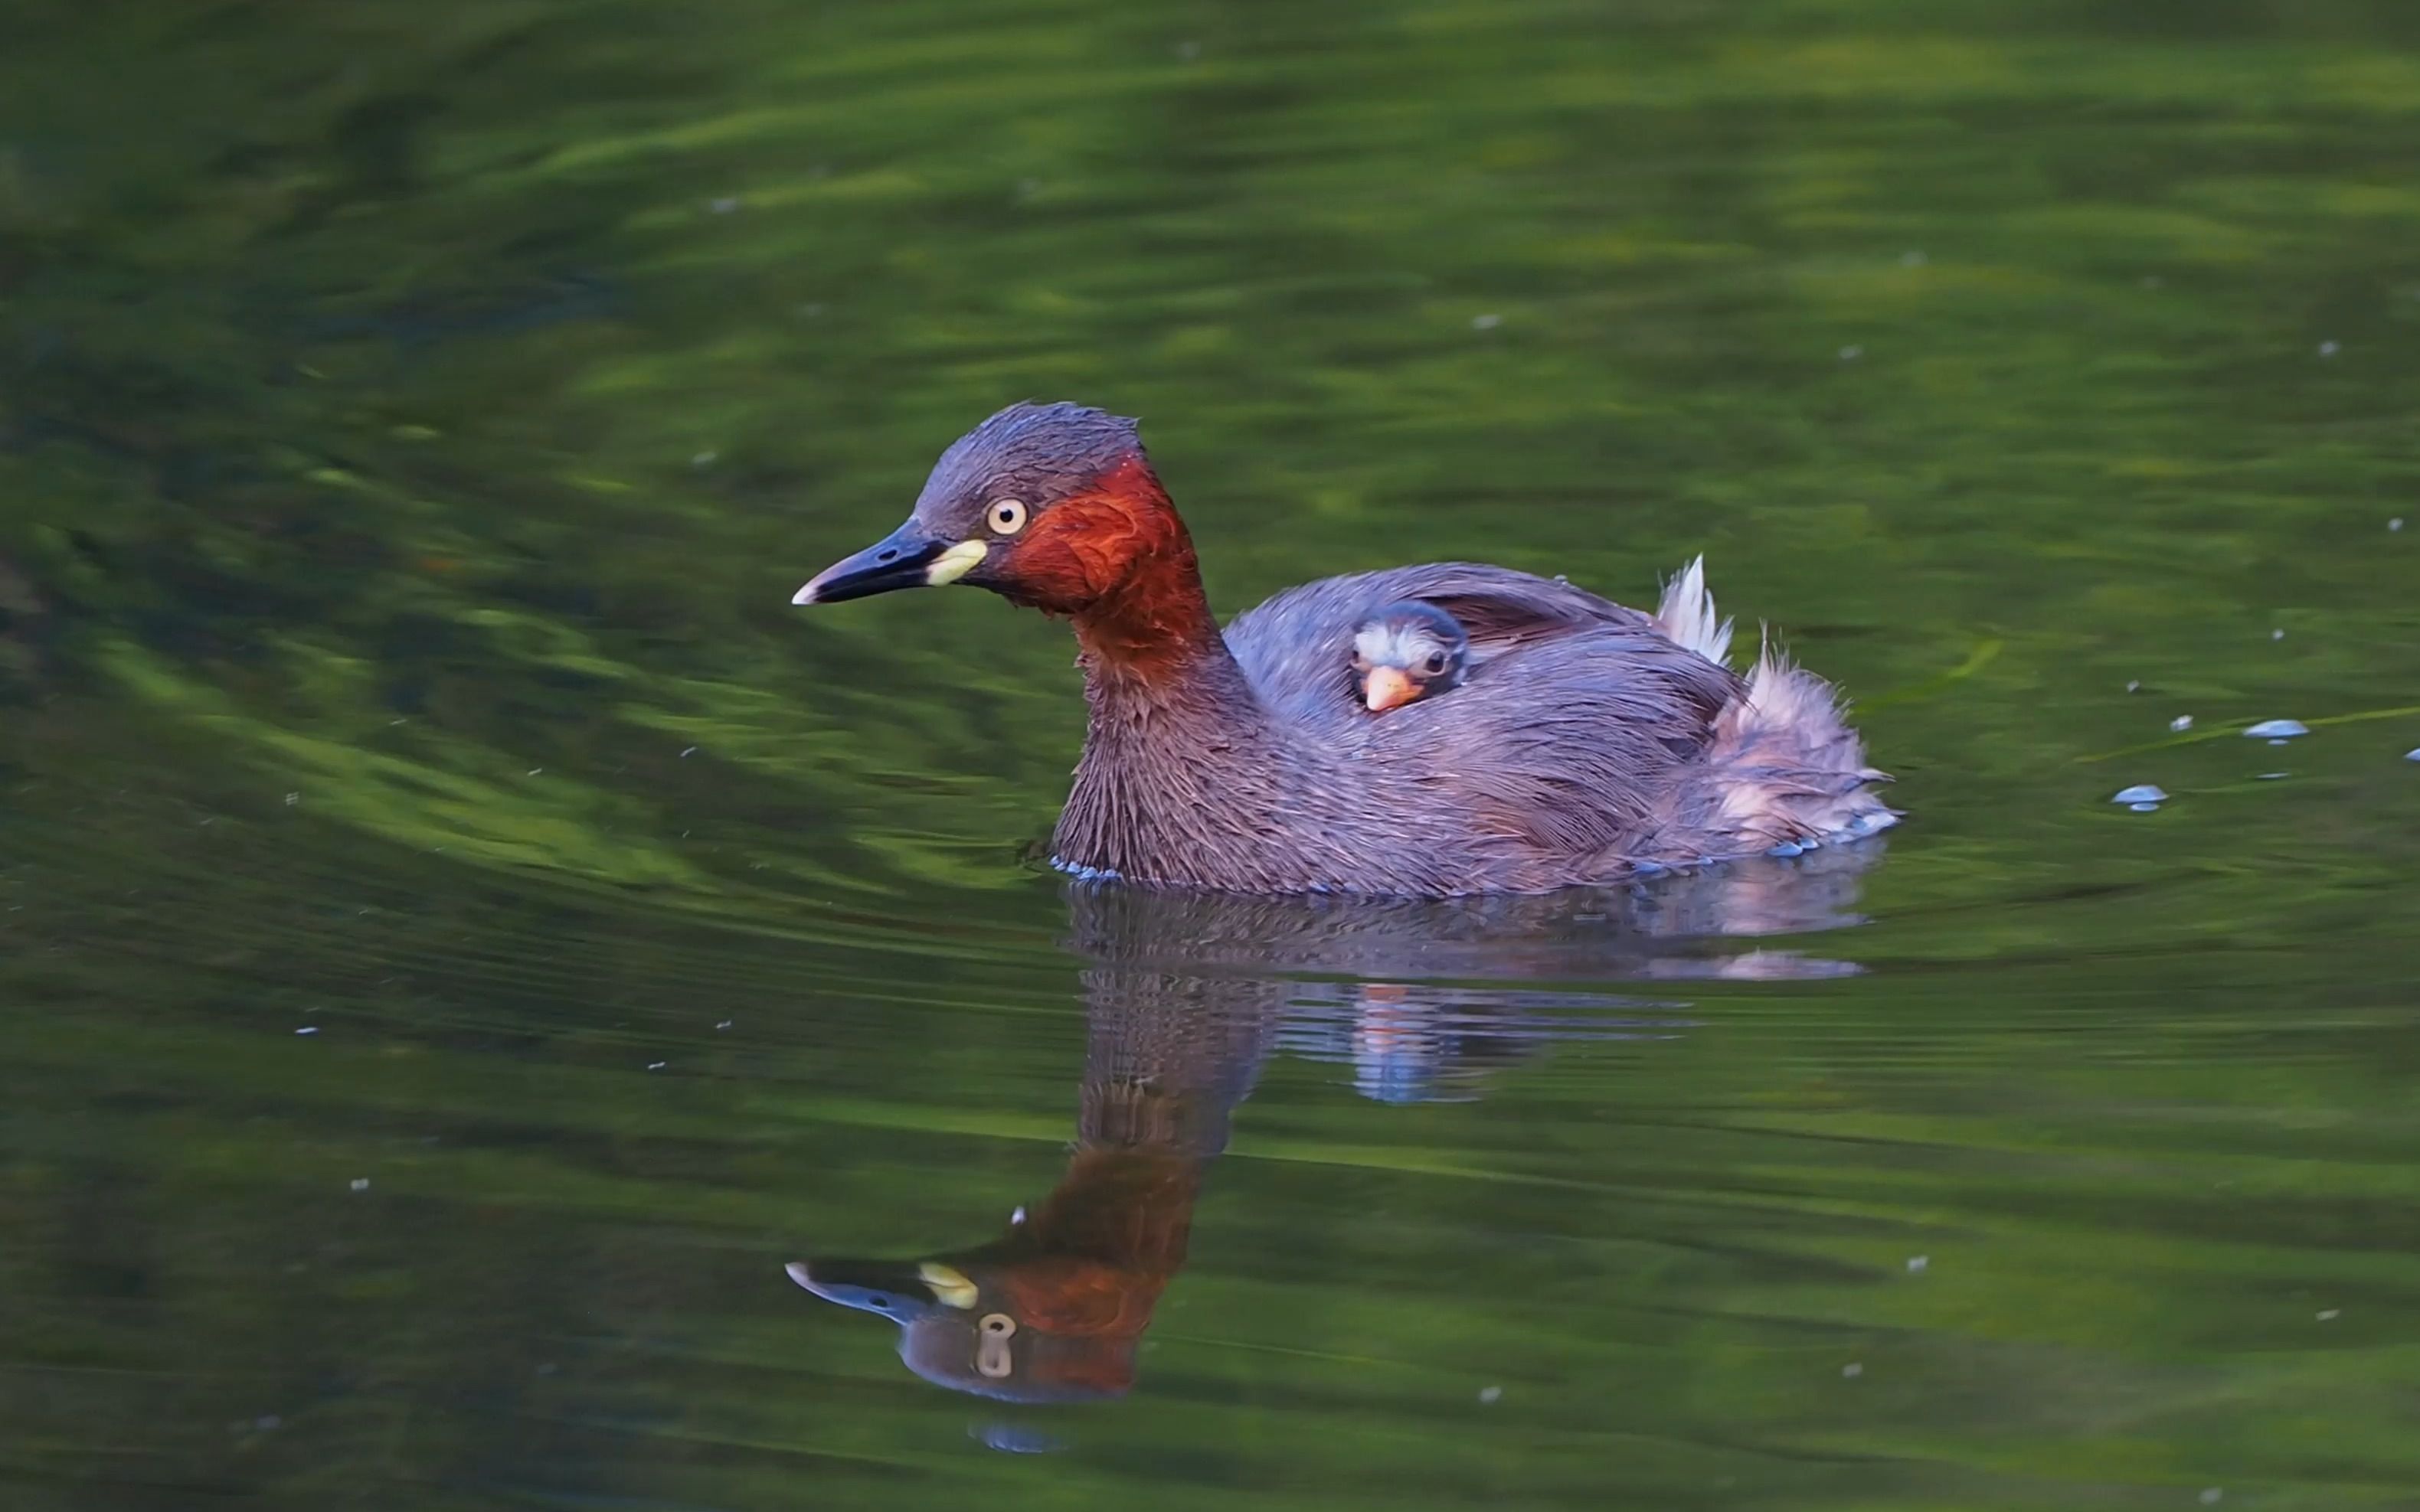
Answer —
1007 516
994 1358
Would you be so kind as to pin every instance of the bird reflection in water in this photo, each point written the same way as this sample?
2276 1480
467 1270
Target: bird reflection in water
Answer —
1185 996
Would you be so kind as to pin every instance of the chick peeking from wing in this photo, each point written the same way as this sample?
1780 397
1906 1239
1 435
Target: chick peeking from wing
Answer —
1408 650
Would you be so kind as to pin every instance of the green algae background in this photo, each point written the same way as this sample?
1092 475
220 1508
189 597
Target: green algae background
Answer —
413 420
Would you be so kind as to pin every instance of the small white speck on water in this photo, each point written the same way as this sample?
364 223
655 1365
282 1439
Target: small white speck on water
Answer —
1918 1264
535 770
658 1064
361 1183
1849 354
2394 524
2140 793
1913 257
2277 730
1485 322
2210 1495
1188 51
724 1025
392 723
2329 349
2153 281
268 1422
293 799
705 459
308 1028
1027 188
2271 777
549 1368
691 751
2181 722
1017 1217
2329 1315
1490 1395
724 205
2134 688
2413 755
2144 807
1851 1371
2276 635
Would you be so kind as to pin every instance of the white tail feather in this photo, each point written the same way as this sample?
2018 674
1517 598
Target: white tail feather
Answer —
1687 615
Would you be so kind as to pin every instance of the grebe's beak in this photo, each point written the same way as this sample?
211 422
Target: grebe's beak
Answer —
908 557
1388 687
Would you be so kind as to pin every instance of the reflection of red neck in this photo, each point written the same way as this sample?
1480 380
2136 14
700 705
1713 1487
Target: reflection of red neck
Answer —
1118 554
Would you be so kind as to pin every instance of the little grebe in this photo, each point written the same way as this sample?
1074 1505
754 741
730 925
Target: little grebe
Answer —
1408 650
1602 742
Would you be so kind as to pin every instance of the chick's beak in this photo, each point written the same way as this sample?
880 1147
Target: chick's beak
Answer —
1388 687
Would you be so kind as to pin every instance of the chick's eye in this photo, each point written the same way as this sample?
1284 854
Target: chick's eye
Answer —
1007 515
1436 662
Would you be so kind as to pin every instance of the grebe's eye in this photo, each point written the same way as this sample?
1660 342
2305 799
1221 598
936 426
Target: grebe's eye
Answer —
1007 515
1435 663
1361 662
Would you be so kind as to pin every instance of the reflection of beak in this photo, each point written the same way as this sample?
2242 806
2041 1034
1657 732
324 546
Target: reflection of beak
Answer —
906 558
1388 687
897 1290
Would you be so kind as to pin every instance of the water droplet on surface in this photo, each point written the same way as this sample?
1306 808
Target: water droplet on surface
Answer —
1849 354
1485 322
2181 722
658 1064
1490 1395
2329 349
2394 524
705 459
2134 688
1851 1371
724 1025
2209 1495
307 1028
2277 730
2329 1315
2276 635
1918 1264
2140 793
361 1183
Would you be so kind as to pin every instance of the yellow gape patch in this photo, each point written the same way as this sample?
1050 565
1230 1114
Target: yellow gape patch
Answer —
955 563
949 1284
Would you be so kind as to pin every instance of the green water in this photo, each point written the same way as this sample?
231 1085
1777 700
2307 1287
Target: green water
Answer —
413 420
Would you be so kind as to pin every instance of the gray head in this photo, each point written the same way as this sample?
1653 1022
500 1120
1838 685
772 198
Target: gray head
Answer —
1047 505
1408 650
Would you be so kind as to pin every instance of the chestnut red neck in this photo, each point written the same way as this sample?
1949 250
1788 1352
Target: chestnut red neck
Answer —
1118 561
